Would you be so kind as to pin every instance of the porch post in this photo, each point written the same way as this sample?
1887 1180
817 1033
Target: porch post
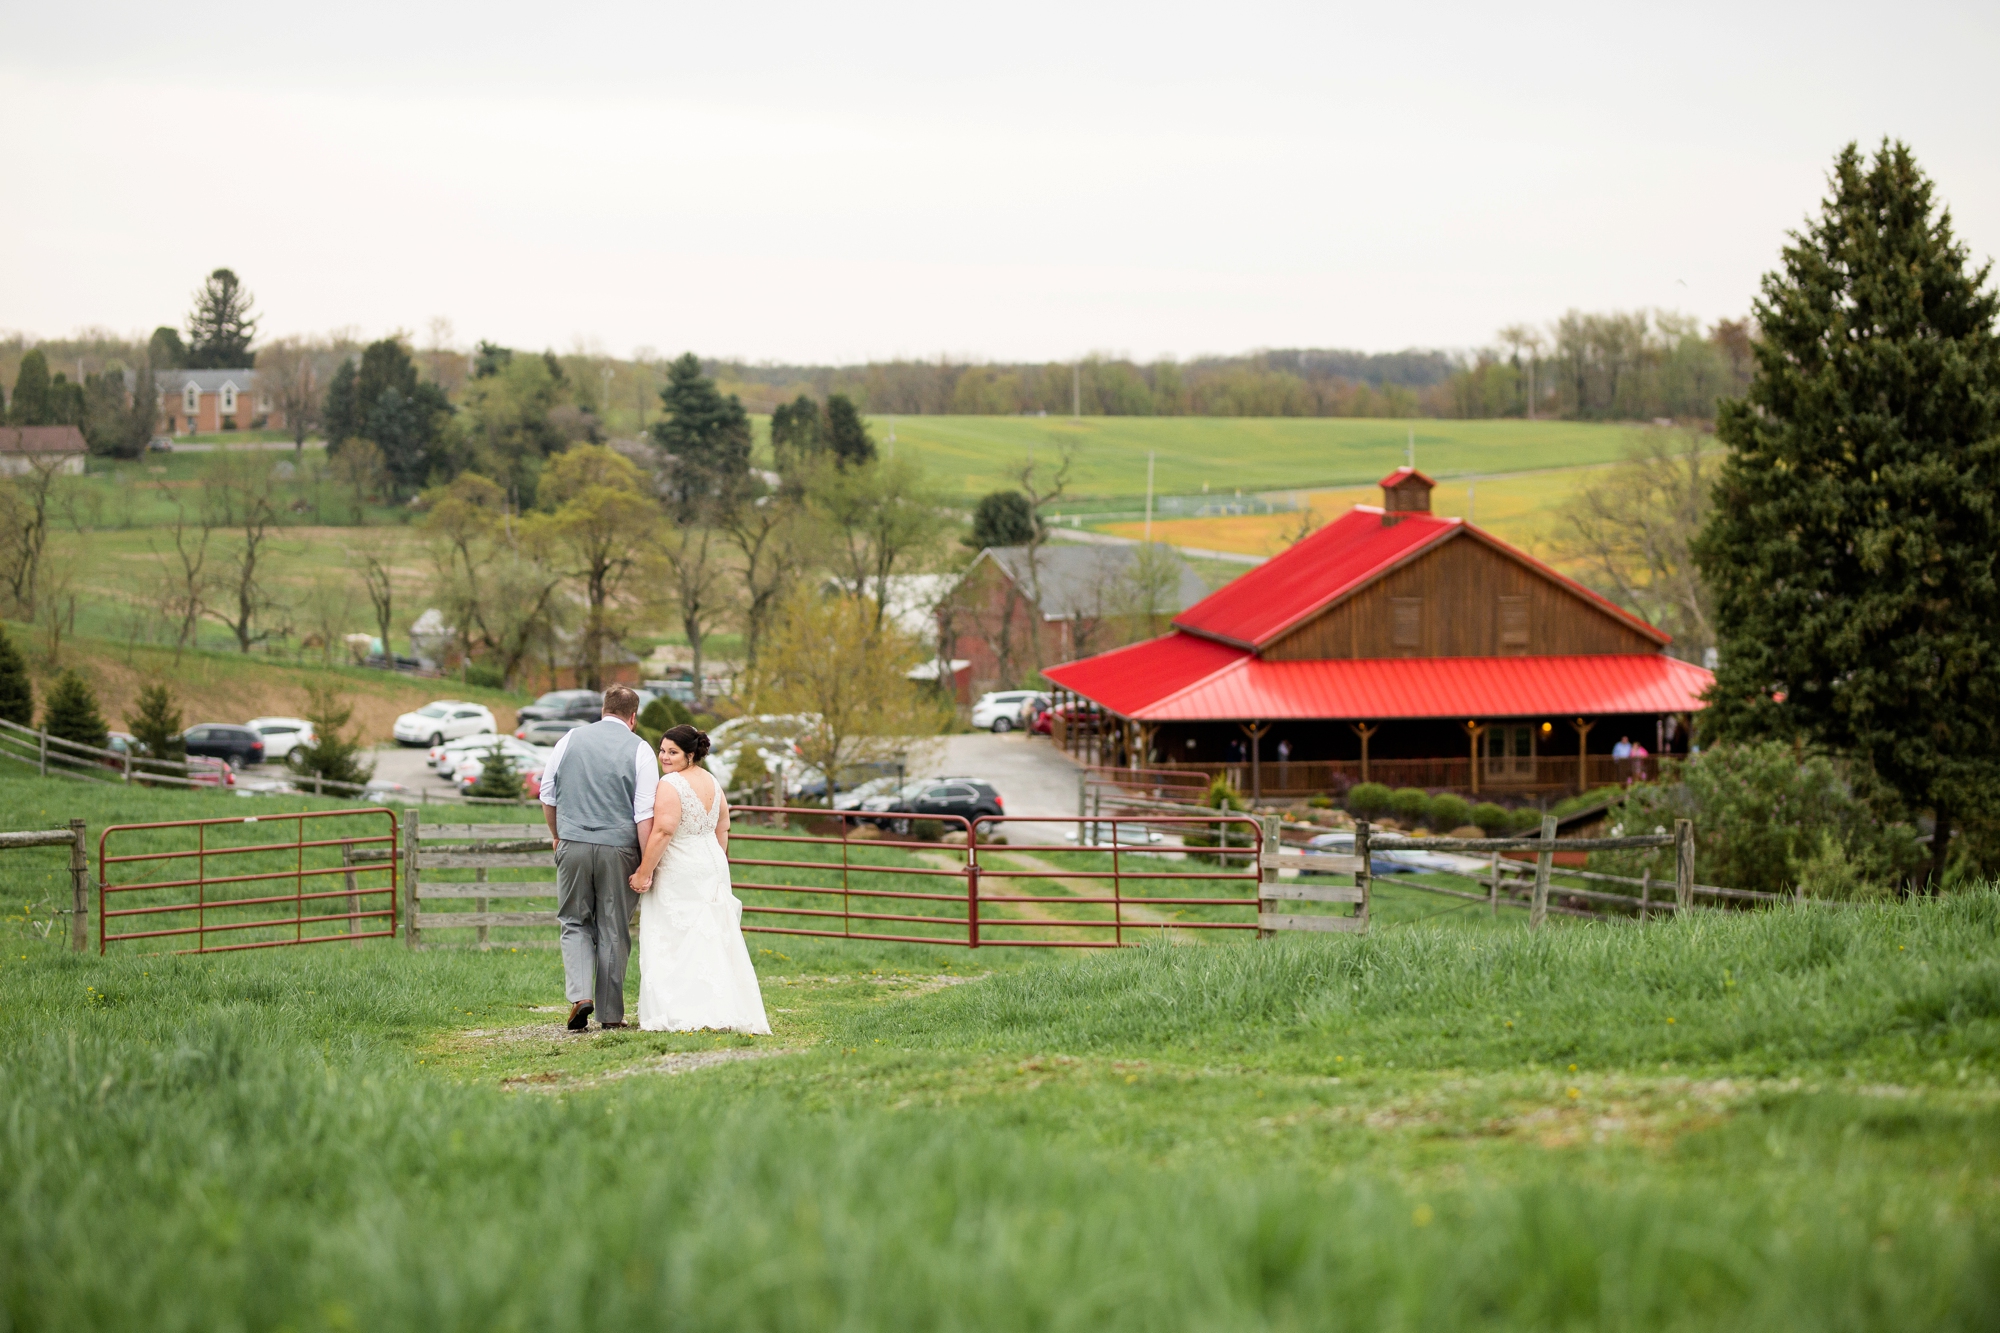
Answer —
1582 754
1473 731
1364 731
1256 732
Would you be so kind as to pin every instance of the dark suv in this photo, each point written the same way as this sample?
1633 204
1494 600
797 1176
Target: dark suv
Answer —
969 798
224 740
583 705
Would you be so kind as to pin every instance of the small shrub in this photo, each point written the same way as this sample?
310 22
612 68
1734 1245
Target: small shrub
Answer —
1450 812
927 830
1410 804
156 729
499 779
1366 800
663 713
1490 817
1320 802
334 757
750 779
71 712
484 676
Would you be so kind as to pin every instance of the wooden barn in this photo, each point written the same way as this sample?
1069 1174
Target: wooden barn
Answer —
1394 646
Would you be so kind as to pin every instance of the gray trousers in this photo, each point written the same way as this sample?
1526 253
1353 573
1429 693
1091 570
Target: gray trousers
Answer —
594 904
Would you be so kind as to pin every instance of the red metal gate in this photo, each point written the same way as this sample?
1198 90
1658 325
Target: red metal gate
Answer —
234 864
1112 879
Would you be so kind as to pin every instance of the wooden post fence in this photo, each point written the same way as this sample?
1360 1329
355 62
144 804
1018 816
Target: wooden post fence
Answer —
1684 864
74 838
1544 861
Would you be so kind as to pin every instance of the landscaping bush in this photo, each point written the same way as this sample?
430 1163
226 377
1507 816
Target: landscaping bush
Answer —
1223 799
1765 819
486 677
156 728
333 757
1449 812
1491 818
1410 805
1320 801
927 830
1366 800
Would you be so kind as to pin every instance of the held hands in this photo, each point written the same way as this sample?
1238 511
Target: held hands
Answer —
641 880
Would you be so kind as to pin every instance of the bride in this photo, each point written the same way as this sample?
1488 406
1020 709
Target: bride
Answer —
694 969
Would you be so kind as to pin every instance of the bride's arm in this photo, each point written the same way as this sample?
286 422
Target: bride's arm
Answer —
666 818
722 827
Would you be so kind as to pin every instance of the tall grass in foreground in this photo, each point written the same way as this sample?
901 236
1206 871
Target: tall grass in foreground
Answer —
250 1142
228 1179
1780 992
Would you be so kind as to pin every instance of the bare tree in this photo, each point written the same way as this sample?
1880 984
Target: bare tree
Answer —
1630 532
25 500
770 534
241 491
185 579
287 378
697 581
328 609
883 518
1043 486
381 589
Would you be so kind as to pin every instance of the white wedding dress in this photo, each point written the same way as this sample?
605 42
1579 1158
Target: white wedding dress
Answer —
694 969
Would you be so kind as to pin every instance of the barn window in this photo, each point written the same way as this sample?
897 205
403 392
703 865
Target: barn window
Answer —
1513 625
1407 619
191 398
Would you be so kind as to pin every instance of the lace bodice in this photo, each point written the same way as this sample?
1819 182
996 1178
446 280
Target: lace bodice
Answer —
697 820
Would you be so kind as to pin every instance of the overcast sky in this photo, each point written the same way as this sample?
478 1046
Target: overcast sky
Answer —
839 182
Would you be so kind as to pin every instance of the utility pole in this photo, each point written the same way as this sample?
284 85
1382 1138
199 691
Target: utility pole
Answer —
1149 497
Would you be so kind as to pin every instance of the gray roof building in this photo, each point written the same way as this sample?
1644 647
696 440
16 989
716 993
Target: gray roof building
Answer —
1090 581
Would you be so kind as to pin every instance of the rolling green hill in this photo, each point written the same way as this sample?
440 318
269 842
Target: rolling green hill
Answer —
974 455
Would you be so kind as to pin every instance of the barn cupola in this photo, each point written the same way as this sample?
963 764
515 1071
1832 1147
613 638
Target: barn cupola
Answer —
1405 491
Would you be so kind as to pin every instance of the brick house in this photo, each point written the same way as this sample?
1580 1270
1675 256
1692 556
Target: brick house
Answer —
199 401
1075 599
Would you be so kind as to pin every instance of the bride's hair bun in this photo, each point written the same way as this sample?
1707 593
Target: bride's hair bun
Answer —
692 741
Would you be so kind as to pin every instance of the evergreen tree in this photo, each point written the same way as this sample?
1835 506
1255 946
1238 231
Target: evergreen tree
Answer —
342 414
490 360
157 727
17 696
1853 547
166 350
846 433
498 779
707 434
65 402
334 756
71 713
1004 518
31 392
656 717
797 434
221 326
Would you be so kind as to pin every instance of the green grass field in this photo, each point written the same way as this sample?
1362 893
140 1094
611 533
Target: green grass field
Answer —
1781 1120
974 455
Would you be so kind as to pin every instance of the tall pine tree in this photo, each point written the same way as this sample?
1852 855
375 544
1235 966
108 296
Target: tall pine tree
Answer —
1853 544
846 433
221 324
707 433
31 392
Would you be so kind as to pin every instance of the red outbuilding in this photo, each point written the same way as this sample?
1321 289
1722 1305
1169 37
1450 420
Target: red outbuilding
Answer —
1395 646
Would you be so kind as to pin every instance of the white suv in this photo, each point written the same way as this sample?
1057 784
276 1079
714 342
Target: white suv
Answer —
1002 711
282 735
444 720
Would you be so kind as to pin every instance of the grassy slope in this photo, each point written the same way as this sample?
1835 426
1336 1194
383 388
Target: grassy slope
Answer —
1322 1132
973 455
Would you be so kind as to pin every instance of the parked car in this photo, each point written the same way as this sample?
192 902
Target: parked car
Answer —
204 771
241 746
680 691
160 444
583 705
446 758
1000 711
856 798
934 798
548 730
1341 843
444 720
282 735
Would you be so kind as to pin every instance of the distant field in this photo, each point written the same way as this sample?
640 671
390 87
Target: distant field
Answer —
973 455
1521 509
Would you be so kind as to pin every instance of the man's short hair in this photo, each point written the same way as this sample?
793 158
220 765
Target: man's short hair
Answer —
622 701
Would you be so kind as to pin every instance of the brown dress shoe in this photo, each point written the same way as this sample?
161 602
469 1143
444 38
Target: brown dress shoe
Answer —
579 1015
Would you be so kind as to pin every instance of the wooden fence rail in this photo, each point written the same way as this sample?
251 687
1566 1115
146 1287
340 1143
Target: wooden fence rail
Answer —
75 836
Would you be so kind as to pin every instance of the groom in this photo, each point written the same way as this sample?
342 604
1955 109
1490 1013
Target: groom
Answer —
597 795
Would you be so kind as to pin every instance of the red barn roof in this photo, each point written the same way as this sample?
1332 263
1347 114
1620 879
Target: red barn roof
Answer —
1180 678
1340 559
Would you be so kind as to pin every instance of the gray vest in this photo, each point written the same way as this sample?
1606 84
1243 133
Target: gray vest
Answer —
595 785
